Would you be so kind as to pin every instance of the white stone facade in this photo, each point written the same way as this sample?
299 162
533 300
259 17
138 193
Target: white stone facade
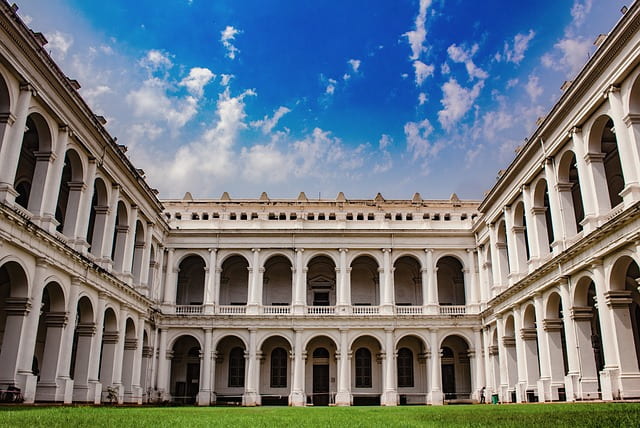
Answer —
530 294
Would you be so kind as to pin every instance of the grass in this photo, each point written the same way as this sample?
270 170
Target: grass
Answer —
513 415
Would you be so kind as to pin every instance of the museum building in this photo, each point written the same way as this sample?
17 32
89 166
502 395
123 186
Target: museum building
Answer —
109 293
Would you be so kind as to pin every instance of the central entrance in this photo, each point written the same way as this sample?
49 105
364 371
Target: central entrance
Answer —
320 377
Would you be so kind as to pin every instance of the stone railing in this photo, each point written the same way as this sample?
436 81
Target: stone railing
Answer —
276 310
232 310
365 310
453 310
188 309
321 310
409 310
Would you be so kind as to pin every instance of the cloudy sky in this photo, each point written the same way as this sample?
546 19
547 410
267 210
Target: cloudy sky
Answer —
283 96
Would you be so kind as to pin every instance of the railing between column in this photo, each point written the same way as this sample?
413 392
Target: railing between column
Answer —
409 310
276 310
453 310
188 309
365 310
232 310
321 310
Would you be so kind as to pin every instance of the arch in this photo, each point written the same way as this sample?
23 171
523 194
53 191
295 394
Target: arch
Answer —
98 217
417 335
139 245
69 191
185 369
321 369
451 286
5 95
277 281
375 256
81 347
14 289
321 337
234 280
455 367
407 280
321 281
49 340
270 254
331 255
411 370
275 337
365 281
36 139
634 96
366 369
542 216
603 141
119 242
400 254
275 373
521 234
624 280
570 192
190 282
502 251
230 369
110 336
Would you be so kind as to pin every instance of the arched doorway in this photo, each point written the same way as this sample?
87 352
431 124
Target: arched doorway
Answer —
110 337
191 276
321 371
119 243
450 282
456 370
411 370
185 370
85 329
366 366
275 379
234 281
37 139
321 283
277 282
529 337
13 304
407 281
509 343
97 217
542 217
230 370
557 343
131 384
364 282
69 194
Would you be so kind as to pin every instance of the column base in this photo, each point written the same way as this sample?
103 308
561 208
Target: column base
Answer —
297 399
251 399
8 194
588 389
204 398
27 382
253 309
46 391
435 398
95 392
83 393
521 388
133 396
545 392
389 398
297 309
629 385
571 386
386 310
609 384
432 309
343 399
64 392
630 194
343 310
208 309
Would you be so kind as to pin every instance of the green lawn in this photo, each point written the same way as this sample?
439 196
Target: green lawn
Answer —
551 415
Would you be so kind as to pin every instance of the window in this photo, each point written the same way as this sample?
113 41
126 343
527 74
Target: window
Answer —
363 368
236 368
320 298
321 216
243 216
278 368
405 368
232 216
360 216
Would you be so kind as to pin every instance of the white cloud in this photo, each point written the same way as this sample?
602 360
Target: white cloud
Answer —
196 80
571 55
422 98
579 11
355 64
404 75
227 36
225 79
346 76
155 60
445 69
461 55
417 37
91 94
59 44
417 134
331 87
422 71
27 19
385 141
456 102
268 123
533 88
515 53
511 83
264 163
494 122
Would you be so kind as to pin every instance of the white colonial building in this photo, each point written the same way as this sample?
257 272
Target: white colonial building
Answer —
531 293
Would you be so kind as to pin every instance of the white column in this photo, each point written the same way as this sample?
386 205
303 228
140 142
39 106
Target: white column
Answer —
146 260
521 386
573 350
479 359
587 189
96 346
544 384
137 374
65 383
12 144
297 397
628 151
497 261
559 234
84 209
532 231
299 284
251 395
390 392
343 397
119 356
108 242
254 300
131 240
432 283
204 395
387 295
210 285
343 288
488 368
472 298
52 183
503 386
512 249
163 366
483 279
170 278
436 397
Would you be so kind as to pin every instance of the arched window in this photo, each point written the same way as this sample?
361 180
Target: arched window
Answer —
236 367
278 368
363 368
405 368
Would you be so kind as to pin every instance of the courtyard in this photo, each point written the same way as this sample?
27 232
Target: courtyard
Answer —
555 415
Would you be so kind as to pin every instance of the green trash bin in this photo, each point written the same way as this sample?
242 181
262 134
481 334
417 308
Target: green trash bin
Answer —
494 399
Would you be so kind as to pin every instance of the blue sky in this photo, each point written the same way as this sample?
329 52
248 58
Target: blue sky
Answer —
284 96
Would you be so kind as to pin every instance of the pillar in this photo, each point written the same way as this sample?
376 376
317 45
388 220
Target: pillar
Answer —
108 241
299 283
96 346
297 397
163 366
209 288
432 283
436 397
170 278
343 397
64 391
130 243
543 331
52 182
254 298
559 234
344 284
204 395
387 292
251 395
389 384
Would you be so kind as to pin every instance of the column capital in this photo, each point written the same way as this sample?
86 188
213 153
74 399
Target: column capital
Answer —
213 250
612 89
386 250
428 250
343 250
28 87
255 250
299 250
574 131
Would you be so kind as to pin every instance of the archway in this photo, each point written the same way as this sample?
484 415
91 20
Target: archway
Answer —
53 319
407 281
542 217
364 282
191 275
138 251
230 370
570 193
411 370
14 290
277 282
275 379
37 139
321 282
366 366
85 329
529 337
624 302
69 194
502 251
110 337
119 243
234 281
450 282
97 217
456 370
131 385
557 343
185 370
321 371
521 235
509 343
